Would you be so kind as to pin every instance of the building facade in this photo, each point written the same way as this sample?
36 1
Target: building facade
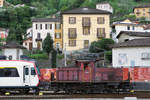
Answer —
142 11
82 26
41 27
28 43
130 35
1 3
125 25
104 6
12 50
28 39
132 53
58 36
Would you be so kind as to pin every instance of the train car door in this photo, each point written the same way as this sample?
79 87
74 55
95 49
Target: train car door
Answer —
33 78
26 76
87 72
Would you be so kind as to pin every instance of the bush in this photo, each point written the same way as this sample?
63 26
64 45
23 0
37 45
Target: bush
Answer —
108 56
37 51
101 45
60 56
38 56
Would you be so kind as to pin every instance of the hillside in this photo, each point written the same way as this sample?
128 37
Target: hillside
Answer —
19 19
47 7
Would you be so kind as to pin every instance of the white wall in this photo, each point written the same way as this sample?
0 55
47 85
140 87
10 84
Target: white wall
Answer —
43 32
105 6
26 43
124 28
120 28
29 32
12 52
133 54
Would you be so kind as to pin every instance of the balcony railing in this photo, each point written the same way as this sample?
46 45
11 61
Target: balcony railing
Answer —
72 36
38 39
137 12
86 24
100 35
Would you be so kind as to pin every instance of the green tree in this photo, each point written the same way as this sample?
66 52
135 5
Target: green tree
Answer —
48 44
101 45
18 34
11 35
108 56
54 57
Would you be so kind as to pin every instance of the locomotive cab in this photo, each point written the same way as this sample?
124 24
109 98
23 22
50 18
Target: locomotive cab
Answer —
87 68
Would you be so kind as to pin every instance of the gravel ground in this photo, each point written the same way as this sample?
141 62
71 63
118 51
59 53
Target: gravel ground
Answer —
98 99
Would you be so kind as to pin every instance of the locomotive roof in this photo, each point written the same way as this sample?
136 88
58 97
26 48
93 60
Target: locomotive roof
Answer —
89 57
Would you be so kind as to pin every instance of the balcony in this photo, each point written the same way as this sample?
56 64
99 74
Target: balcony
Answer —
72 36
86 24
100 35
38 39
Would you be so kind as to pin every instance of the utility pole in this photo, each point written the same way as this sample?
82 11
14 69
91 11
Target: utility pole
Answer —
65 56
104 58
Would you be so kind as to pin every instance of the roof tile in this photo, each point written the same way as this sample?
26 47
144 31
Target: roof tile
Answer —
134 43
86 10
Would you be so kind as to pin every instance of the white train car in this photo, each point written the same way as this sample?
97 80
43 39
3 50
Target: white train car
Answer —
18 75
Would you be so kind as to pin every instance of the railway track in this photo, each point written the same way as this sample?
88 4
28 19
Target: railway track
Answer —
145 95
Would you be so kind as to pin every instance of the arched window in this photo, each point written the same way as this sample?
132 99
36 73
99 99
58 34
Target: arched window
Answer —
39 45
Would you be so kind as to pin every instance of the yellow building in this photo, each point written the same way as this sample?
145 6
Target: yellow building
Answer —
58 36
81 26
142 11
1 3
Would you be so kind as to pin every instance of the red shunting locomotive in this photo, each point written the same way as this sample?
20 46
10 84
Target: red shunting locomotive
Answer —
85 77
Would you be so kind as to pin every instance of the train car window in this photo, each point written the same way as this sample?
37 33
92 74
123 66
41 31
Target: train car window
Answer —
33 71
37 69
26 71
10 72
1 73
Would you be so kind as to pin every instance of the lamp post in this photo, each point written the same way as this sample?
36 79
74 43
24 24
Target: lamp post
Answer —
65 56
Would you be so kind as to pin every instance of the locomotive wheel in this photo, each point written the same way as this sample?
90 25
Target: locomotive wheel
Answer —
36 91
24 91
3 91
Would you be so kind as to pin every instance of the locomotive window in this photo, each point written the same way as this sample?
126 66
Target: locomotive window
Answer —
26 71
9 72
85 66
33 71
